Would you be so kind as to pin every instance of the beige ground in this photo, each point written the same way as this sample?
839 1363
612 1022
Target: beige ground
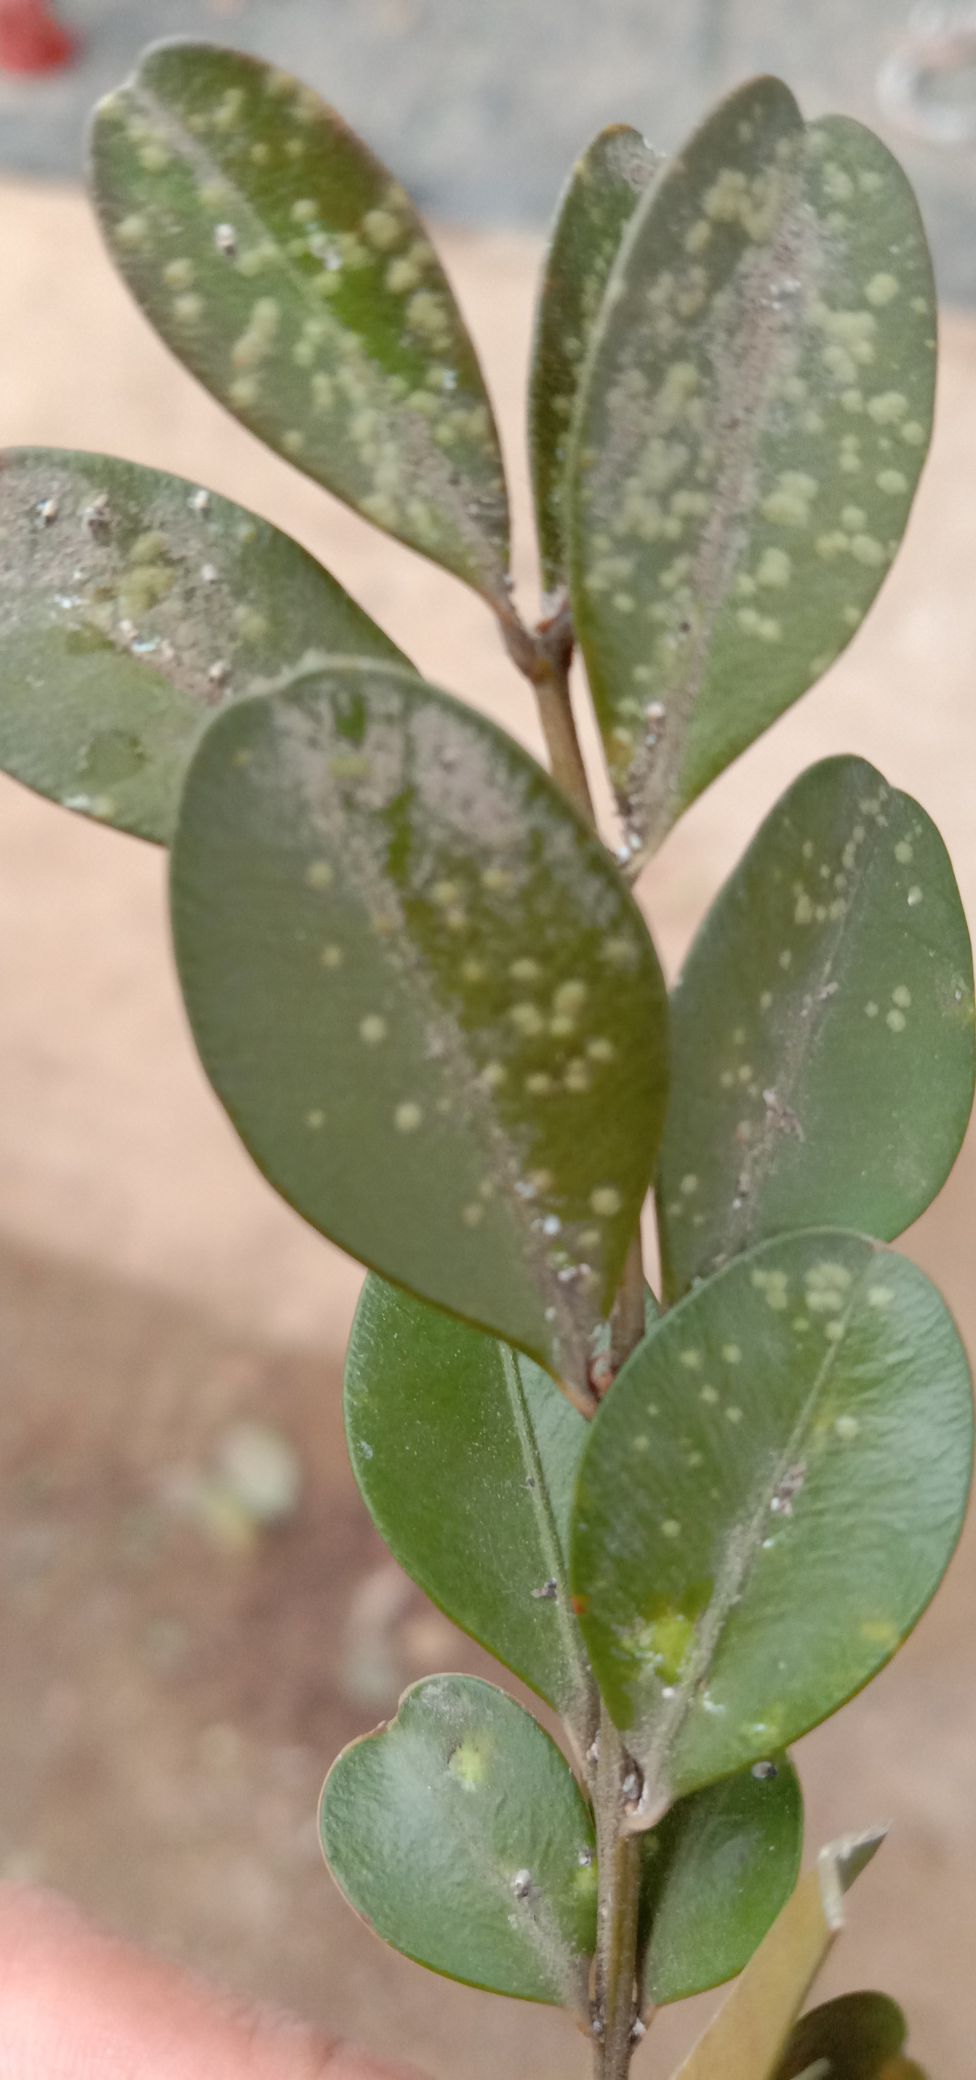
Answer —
170 1701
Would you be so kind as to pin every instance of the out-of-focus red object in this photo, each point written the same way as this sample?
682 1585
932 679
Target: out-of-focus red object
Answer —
31 38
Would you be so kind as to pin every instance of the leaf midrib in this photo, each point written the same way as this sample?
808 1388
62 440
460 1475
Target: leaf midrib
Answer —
579 1706
733 1576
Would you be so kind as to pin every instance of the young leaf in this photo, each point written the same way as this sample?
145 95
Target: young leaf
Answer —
467 1455
425 997
859 2036
746 2038
717 1871
599 200
767 1501
289 271
132 605
460 1835
754 417
822 1029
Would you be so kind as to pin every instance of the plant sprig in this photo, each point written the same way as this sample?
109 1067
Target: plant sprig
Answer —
421 987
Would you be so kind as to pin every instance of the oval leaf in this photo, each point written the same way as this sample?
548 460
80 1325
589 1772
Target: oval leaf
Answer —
601 195
755 414
132 605
822 1029
289 271
425 997
747 2036
466 1456
768 1499
857 2037
459 1833
717 1871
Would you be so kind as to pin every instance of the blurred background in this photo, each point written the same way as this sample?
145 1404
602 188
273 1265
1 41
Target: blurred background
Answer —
194 1611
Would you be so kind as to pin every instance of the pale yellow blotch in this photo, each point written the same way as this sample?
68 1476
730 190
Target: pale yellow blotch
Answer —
901 995
600 1049
468 1764
569 998
525 970
497 880
881 289
880 1296
606 1201
733 1415
473 1215
319 874
880 1632
493 1075
373 1029
315 1119
896 1021
709 1395
904 852
132 232
847 1427
577 1077
408 1117
179 274
539 1084
775 568
527 1019
332 956
382 229
671 1528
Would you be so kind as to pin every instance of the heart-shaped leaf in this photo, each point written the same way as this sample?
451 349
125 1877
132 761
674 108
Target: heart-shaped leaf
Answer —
767 1501
425 997
598 202
467 1455
717 1871
859 2036
460 1835
822 1029
132 605
288 270
747 2036
754 416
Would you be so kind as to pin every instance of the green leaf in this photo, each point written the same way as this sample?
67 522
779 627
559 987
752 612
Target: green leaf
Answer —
597 204
132 605
857 2037
754 417
768 1500
822 1029
460 1835
717 1871
425 997
289 271
746 2038
466 1456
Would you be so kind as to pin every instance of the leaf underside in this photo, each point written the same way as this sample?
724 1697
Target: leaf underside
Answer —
459 1833
768 1500
754 416
822 1029
133 606
599 200
466 1455
291 274
717 1872
425 997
